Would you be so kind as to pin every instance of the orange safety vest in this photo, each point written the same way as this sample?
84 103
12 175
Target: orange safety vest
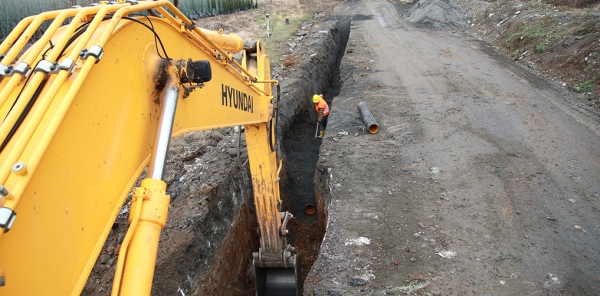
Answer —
322 105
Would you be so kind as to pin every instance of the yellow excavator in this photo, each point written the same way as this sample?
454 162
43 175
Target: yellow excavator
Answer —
93 104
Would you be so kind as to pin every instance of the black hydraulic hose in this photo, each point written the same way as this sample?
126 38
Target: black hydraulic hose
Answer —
79 31
156 37
33 98
23 114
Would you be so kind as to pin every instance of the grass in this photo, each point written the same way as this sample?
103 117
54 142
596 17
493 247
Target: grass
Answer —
280 31
590 86
540 48
587 86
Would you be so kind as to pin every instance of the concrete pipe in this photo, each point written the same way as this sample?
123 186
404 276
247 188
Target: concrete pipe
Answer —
368 118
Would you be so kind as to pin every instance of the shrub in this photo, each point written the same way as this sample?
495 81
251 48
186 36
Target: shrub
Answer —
587 86
540 48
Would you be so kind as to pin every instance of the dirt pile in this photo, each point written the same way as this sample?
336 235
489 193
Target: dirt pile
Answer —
209 188
438 15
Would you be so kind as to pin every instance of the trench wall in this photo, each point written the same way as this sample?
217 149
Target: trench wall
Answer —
215 271
312 75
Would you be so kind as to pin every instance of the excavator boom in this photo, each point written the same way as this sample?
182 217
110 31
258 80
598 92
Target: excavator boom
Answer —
93 103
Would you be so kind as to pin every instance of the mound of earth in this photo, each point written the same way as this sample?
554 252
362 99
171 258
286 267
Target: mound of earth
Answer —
559 40
438 15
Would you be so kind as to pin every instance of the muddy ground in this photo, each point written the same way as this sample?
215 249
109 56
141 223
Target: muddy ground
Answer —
481 180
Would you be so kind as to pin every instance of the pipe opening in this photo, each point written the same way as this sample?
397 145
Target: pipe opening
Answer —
310 209
373 129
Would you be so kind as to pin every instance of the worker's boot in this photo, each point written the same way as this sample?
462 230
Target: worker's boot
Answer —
321 133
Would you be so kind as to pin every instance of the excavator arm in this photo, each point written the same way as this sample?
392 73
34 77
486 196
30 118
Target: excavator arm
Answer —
92 104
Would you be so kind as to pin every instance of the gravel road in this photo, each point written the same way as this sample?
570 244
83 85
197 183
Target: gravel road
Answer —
483 178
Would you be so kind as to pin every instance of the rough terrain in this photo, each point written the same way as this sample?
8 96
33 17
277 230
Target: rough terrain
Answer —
483 178
559 42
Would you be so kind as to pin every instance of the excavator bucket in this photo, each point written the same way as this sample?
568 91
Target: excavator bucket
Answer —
278 280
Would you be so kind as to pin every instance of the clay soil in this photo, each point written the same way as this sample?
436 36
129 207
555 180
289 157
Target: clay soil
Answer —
448 213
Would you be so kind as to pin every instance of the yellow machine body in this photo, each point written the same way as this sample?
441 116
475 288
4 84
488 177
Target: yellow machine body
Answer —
89 135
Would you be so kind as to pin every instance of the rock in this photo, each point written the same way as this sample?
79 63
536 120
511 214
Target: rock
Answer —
358 280
205 188
218 136
232 152
104 258
447 254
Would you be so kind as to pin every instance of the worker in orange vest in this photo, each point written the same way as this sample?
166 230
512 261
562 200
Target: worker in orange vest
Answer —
323 109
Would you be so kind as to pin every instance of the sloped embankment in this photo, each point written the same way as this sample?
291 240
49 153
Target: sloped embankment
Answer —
556 39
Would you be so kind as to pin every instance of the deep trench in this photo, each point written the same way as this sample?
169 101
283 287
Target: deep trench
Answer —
299 150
